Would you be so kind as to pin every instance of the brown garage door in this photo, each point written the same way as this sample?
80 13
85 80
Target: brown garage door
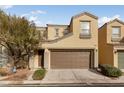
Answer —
70 59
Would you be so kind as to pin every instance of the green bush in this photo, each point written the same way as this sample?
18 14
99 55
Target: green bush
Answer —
110 71
39 74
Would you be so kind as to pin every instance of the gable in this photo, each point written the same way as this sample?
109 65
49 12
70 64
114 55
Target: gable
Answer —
85 16
116 22
85 13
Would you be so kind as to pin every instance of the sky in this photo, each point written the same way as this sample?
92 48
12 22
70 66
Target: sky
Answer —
61 14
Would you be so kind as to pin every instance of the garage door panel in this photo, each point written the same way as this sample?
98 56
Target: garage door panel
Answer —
70 59
121 60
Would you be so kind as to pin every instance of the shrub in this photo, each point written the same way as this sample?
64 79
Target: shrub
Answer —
39 74
110 71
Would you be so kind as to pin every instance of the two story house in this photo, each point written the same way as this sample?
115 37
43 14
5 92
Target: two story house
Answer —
73 46
111 43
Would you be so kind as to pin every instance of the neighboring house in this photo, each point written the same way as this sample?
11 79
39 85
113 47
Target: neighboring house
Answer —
111 43
43 32
73 46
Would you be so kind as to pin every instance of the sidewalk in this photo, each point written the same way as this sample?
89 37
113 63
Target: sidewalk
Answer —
42 82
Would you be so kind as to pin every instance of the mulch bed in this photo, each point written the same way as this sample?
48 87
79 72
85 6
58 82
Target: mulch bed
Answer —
21 74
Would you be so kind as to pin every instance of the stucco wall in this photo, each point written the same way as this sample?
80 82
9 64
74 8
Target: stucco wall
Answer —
101 44
109 41
109 30
36 57
52 33
72 40
105 50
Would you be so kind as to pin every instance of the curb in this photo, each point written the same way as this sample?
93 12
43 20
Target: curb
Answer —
41 82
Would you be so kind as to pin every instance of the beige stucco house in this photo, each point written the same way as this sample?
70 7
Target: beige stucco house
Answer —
73 46
111 43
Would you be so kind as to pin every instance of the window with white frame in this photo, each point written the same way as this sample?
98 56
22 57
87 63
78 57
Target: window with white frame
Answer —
85 28
57 32
115 32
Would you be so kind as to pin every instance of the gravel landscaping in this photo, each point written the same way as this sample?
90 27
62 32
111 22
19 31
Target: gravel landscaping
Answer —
20 75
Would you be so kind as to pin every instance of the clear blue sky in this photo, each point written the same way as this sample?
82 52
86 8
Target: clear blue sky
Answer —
62 14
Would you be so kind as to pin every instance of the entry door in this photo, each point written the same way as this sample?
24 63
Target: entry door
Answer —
41 58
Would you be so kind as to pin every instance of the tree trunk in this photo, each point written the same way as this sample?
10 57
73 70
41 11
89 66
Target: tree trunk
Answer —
13 61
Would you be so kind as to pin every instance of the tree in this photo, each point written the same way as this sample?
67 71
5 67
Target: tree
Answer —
18 36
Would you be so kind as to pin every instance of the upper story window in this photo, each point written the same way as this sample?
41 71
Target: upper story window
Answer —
116 32
57 32
85 28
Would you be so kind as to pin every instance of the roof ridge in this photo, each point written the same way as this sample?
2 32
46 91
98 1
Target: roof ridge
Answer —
56 25
116 19
87 13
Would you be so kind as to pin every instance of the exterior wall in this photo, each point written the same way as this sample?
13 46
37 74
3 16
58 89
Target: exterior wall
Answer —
71 26
36 57
109 41
109 54
43 32
47 59
109 31
31 62
101 44
116 49
72 40
96 58
52 33
115 61
93 41
105 50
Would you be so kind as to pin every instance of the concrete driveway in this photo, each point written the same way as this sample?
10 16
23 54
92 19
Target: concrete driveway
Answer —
73 76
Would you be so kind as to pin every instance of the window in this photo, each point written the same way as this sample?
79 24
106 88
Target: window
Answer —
85 28
57 32
115 32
